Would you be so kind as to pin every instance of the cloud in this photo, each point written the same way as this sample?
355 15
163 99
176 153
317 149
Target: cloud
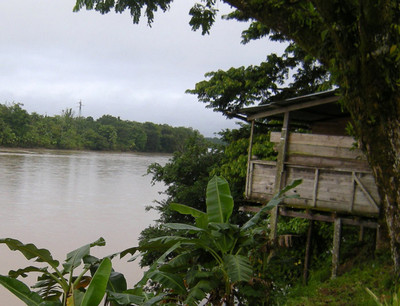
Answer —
51 58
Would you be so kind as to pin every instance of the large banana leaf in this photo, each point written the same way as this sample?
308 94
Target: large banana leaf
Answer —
125 298
224 236
158 262
219 200
21 290
97 287
201 217
183 226
198 292
186 210
169 281
75 257
238 268
154 300
22 272
30 251
178 262
162 243
117 282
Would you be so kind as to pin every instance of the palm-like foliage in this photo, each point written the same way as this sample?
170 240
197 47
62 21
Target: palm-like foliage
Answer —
56 285
211 258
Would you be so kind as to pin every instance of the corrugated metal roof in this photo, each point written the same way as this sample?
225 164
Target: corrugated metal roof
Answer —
315 107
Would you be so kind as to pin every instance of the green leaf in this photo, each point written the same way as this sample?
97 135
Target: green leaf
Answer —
238 268
124 298
219 200
202 221
97 287
161 243
292 185
75 257
30 251
182 226
130 251
117 282
186 210
199 292
224 236
201 217
181 260
75 298
22 272
20 290
154 300
159 261
169 280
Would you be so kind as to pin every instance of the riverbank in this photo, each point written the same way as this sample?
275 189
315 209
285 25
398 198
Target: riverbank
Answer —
349 288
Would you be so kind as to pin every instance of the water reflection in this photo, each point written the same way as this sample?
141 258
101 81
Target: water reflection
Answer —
61 200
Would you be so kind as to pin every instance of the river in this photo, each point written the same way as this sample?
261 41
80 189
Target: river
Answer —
61 200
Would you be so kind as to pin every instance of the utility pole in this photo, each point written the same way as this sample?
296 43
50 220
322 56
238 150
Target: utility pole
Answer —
80 108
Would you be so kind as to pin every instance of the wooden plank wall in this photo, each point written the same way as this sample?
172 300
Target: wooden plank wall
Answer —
335 177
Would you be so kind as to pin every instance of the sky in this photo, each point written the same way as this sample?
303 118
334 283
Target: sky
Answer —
52 58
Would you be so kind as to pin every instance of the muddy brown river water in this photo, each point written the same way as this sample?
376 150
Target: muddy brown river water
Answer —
61 200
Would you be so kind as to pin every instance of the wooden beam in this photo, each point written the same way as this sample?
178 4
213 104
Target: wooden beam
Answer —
249 158
315 191
280 165
367 194
293 107
353 191
317 140
325 218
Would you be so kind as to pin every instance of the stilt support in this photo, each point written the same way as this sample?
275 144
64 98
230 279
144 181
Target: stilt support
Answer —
307 258
337 235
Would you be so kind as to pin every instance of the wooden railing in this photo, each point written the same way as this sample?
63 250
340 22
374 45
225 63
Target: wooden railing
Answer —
336 178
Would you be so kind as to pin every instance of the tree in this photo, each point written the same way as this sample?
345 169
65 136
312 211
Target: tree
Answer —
186 176
15 121
153 137
228 91
358 42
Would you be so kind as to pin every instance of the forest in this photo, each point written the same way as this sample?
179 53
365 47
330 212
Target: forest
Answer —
203 249
193 254
18 128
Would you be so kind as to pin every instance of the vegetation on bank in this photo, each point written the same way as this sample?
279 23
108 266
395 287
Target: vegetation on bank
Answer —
373 273
322 40
280 276
212 261
190 255
18 128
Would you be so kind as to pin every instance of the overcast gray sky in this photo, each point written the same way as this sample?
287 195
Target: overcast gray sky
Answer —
51 58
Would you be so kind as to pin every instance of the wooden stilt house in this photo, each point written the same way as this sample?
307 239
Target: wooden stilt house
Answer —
337 186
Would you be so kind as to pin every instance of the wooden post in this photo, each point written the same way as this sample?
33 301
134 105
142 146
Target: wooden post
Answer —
337 235
307 258
249 158
280 168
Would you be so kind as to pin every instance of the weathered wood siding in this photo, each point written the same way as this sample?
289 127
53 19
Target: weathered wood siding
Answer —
335 176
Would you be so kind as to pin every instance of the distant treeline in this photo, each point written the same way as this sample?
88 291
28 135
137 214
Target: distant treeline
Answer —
18 128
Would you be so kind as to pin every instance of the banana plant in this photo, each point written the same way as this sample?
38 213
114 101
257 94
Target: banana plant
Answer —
57 284
209 259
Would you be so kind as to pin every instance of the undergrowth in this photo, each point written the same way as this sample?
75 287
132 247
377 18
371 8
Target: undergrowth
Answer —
349 288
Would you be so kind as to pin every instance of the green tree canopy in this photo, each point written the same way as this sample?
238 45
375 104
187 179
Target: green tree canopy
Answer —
358 42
